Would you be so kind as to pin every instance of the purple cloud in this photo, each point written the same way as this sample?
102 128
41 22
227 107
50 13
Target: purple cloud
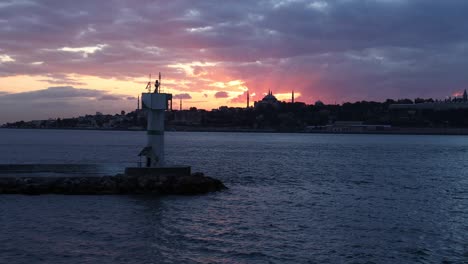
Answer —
324 49
110 97
182 96
221 94
61 102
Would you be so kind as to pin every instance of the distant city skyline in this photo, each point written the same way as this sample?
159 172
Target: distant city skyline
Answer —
64 59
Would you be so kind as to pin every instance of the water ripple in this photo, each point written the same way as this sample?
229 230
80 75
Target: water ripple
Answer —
292 199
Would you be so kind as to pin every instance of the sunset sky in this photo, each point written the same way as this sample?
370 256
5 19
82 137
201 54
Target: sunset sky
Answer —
63 58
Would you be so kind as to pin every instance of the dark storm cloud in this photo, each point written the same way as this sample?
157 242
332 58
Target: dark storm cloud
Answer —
336 49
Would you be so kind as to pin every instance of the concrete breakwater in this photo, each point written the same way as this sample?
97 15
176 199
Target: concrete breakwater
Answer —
64 169
192 184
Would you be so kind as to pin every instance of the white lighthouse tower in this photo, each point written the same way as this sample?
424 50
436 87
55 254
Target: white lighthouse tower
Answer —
155 103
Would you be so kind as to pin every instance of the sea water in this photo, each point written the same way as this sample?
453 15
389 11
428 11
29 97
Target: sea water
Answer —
292 198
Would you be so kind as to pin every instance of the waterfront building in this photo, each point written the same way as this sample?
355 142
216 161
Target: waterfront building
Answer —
438 105
268 100
355 127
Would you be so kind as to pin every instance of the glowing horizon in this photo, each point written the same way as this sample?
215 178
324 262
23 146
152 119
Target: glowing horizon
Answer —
214 53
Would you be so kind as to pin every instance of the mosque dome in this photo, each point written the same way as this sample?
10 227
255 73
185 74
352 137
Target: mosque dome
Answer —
270 98
319 103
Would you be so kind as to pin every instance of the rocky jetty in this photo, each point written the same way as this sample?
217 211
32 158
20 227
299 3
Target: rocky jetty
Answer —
192 184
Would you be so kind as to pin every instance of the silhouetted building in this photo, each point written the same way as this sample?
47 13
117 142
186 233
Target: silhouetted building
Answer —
319 103
188 117
355 127
439 105
269 99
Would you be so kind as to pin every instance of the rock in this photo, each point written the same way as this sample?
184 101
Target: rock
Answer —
199 184
196 183
198 174
126 184
109 185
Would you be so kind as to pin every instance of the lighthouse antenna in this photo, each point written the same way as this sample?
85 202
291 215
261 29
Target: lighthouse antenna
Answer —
160 82
148 86
149 83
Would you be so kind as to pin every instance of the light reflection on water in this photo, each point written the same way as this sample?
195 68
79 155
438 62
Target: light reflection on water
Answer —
293 198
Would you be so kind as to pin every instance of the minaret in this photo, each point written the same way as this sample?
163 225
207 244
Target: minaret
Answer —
248 99
465 96
180 104
292 97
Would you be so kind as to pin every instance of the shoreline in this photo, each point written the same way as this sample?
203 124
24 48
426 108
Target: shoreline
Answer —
393 131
